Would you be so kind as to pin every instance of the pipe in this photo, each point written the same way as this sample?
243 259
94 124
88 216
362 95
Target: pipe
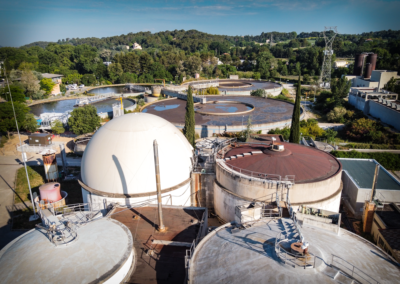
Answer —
375 182
193 191
158 183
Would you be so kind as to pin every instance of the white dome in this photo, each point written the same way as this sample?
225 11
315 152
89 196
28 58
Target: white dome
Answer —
119 159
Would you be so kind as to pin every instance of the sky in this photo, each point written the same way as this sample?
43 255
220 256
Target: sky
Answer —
27 21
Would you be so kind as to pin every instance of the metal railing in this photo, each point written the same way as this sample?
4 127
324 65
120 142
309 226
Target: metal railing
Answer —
253 174
93 99
36 149
189 254
307 260
352 270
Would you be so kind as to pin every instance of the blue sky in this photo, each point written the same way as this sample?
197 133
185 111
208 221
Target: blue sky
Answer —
26 21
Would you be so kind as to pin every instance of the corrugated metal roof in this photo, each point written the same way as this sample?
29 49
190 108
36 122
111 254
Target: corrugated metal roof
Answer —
362 172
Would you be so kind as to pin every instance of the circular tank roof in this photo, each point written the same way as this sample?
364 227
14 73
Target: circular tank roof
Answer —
265 111
119 159
307 164
101 249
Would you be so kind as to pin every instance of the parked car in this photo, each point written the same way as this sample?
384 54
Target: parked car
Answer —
81 86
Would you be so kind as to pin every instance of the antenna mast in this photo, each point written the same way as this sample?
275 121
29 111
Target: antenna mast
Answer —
325 79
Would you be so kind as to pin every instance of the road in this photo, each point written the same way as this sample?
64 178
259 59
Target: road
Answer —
7 178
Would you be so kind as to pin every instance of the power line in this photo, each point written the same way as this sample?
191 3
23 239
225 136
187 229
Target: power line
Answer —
34 217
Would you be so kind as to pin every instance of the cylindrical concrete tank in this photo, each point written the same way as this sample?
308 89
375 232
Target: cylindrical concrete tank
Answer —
373 59
156 91
50 166
368 71
50 192
358 64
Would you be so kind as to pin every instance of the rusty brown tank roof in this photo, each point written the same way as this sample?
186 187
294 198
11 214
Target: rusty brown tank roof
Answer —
307 164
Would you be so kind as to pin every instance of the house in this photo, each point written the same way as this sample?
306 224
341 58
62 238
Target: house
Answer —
136 46
56 78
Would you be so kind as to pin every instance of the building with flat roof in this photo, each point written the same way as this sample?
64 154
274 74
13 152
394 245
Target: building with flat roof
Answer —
386 229
357 178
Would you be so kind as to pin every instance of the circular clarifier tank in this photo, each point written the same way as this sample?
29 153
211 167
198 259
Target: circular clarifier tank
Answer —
223 108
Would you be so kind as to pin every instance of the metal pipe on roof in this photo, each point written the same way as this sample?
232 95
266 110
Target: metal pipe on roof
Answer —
375 181
161 226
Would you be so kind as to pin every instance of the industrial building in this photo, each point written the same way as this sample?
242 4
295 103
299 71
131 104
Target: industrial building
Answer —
378 104
118 162
385 229
357 180
365 75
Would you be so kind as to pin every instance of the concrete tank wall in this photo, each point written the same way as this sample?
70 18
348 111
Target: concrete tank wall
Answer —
385 114
324 194
180 197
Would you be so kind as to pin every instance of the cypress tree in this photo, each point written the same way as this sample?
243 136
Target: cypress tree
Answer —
188 130
295 128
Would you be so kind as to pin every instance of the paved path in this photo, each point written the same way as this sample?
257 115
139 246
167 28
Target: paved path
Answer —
7 177
373 150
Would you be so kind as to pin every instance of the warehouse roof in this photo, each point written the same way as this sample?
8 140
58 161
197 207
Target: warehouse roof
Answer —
362 172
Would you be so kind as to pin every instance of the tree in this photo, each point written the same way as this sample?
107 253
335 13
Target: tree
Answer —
114 71
57 127
46 84
30 82
7 120
84 120
248 130
336 114
295 128
16 92
89 79
188 130
30 123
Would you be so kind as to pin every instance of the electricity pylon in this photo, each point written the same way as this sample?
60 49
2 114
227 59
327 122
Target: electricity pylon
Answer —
325 78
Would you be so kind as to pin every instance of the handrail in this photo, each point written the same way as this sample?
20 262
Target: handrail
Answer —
352 269
273 177
283 254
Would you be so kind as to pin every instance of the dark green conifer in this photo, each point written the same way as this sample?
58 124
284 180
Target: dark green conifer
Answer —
295 128
188 130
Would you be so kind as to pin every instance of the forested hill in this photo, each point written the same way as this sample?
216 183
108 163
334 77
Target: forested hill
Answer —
193 40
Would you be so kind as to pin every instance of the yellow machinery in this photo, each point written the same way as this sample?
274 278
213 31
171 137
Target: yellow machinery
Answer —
122 105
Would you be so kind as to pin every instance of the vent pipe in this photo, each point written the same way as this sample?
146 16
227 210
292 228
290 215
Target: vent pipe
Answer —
161 227
375 182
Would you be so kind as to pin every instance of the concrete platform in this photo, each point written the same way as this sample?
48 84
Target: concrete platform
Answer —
248 256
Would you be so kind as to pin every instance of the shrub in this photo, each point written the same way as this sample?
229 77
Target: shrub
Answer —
336 114
258 93
285 92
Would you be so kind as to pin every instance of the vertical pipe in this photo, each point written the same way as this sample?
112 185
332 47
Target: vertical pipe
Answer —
375 182
158 183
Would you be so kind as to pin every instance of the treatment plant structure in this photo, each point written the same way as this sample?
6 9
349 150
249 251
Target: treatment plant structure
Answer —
149 201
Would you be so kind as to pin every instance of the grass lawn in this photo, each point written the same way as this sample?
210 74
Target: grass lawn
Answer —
37 178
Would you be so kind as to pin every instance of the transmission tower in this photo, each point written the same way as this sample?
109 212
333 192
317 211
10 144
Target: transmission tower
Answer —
325 79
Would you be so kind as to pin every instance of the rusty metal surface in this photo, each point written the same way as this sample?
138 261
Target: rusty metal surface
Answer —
49 159
306 163
166 265
266 111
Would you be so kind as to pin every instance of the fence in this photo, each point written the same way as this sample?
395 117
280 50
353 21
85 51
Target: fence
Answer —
351 270
36 149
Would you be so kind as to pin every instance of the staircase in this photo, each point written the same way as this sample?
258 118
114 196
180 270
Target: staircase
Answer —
290 229
338 275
